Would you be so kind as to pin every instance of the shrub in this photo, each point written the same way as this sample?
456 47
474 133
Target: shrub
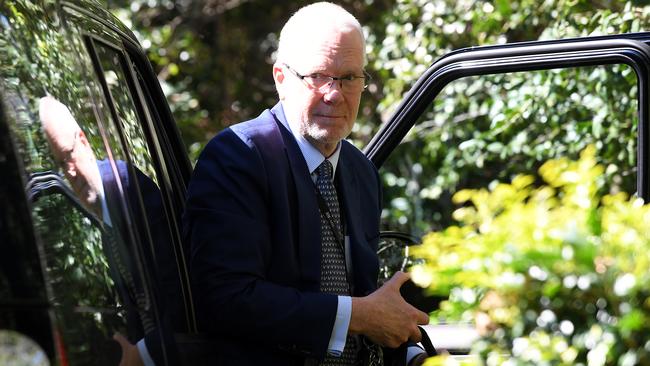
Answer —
555 274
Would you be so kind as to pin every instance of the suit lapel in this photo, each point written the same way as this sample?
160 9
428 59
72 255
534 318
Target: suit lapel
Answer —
308 220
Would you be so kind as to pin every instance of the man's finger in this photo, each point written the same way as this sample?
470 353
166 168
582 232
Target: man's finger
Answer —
415 335
422 318
119 338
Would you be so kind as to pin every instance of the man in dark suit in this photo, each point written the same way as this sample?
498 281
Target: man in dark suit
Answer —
284 272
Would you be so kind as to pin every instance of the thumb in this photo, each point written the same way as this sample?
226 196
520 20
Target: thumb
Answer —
422 317
398 279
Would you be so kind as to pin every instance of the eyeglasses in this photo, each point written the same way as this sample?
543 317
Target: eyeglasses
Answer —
323 83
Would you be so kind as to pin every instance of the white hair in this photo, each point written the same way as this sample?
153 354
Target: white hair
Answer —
299 27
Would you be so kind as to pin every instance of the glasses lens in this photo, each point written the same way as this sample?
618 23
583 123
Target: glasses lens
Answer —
319 81
323 83
353 84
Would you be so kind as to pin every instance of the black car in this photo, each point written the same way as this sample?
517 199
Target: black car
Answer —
93 185
94 176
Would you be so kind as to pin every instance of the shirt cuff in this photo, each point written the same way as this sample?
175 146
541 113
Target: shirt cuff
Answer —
341 323
411 352
144 353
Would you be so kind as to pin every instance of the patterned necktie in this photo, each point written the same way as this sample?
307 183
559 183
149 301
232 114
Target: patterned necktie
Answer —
333 271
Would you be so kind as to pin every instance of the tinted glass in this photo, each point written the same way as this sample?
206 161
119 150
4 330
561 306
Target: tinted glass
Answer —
23 297
160 255
72 169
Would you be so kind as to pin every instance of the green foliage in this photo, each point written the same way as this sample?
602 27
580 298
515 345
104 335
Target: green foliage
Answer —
420 31
214 58
78 274
555 274
32 66
484 129
491 128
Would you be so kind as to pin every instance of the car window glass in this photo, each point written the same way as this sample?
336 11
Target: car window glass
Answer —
176 285
23 295
124 106
480 130
95 286
89 266
160 255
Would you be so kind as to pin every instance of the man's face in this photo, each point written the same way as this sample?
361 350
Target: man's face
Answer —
75 156
326 116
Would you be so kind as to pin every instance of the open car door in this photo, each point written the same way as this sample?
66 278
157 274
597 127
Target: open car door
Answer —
482 115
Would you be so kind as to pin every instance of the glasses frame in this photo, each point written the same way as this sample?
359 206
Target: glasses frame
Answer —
328 86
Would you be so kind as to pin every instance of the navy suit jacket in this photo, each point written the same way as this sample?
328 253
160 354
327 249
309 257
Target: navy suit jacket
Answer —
158 256
253 223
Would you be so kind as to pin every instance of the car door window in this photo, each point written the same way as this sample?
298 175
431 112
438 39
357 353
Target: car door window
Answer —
96 289
69 159
23 294
166 141
487 129
161 256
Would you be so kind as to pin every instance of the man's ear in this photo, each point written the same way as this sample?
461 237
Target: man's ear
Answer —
82 138
278 77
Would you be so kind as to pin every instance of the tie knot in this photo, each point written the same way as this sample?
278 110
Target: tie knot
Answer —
325 169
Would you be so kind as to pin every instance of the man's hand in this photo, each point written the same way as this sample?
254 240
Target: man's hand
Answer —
130 353
385 317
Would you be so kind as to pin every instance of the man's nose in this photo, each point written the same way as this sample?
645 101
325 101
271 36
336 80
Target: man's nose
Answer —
333 94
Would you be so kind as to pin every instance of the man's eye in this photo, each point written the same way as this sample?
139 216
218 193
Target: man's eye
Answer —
348 77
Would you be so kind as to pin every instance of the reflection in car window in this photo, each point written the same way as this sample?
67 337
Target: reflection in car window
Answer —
94 194
88 303
126 113
161 255
485 129
23 295
94 286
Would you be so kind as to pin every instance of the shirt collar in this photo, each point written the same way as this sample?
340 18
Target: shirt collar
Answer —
312 156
